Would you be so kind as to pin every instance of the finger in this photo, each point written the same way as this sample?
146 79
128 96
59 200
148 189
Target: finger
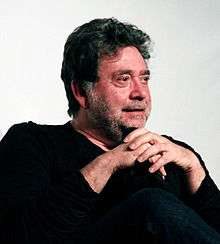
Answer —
163 171
163 160
134 134
148 137
139 140
141 149
152 151
154 159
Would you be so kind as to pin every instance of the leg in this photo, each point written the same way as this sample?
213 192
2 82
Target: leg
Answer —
151 216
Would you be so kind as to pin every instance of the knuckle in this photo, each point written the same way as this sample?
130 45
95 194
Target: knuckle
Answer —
165 158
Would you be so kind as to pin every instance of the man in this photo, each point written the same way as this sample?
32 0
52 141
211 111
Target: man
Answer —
103 177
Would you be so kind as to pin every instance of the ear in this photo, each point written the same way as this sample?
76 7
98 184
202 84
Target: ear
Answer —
79 95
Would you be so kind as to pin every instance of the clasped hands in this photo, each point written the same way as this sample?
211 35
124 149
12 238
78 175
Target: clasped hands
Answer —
141 145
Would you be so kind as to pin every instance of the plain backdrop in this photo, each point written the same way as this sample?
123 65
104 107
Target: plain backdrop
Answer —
185 63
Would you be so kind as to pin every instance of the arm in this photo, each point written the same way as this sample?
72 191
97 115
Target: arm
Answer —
30 199
98 172
200 191
206 202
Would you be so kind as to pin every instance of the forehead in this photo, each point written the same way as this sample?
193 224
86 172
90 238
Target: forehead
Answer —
127 58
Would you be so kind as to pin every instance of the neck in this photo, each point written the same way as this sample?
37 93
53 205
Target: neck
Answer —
94 135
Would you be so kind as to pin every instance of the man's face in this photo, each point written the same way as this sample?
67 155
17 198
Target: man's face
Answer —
120 99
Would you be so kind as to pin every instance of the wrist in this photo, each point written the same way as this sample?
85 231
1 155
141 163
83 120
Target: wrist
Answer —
193 163
195 176
107 162
98 172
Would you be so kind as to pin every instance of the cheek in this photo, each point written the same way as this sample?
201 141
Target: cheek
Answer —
118 99
114 97
148 94
149 98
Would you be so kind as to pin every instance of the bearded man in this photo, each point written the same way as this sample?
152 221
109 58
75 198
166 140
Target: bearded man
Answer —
103 177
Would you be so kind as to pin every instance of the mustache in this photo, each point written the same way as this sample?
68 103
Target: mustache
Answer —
137 107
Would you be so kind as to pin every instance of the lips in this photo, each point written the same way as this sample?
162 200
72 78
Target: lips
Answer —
133 109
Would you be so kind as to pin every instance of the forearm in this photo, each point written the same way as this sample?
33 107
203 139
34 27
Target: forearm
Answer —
64 206
98 172
195 172
195 178
206 202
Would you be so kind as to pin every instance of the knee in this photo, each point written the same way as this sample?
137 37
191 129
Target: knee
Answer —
156 196
161 205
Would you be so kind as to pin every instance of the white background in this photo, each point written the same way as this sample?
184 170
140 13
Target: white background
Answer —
185 65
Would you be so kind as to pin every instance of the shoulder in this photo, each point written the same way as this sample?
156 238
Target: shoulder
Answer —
32 128
33 143
27 134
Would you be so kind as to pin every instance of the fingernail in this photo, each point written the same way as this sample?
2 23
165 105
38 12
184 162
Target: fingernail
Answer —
140 159
125 140
151 170
132 146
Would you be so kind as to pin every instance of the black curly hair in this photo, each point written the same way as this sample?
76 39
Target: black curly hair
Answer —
88 43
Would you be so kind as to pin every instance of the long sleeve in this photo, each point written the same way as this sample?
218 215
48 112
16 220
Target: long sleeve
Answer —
206 201
34 207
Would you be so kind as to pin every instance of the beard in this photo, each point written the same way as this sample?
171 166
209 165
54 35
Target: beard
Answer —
109 123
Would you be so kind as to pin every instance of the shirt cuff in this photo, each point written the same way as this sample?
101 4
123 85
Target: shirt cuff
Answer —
206 193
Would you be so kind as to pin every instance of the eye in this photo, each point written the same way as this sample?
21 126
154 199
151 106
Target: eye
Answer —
122 80
123 77
145 78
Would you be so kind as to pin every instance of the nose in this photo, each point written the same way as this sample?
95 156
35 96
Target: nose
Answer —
139 91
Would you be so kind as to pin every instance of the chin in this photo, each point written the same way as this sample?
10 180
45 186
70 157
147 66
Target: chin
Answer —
137 123
134 125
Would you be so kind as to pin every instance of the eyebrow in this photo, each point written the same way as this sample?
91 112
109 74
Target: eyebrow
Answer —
128 71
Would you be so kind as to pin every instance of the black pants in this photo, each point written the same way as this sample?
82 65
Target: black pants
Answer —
151 216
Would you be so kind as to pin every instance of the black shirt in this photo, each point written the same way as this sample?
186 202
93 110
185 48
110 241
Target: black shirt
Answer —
45 199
